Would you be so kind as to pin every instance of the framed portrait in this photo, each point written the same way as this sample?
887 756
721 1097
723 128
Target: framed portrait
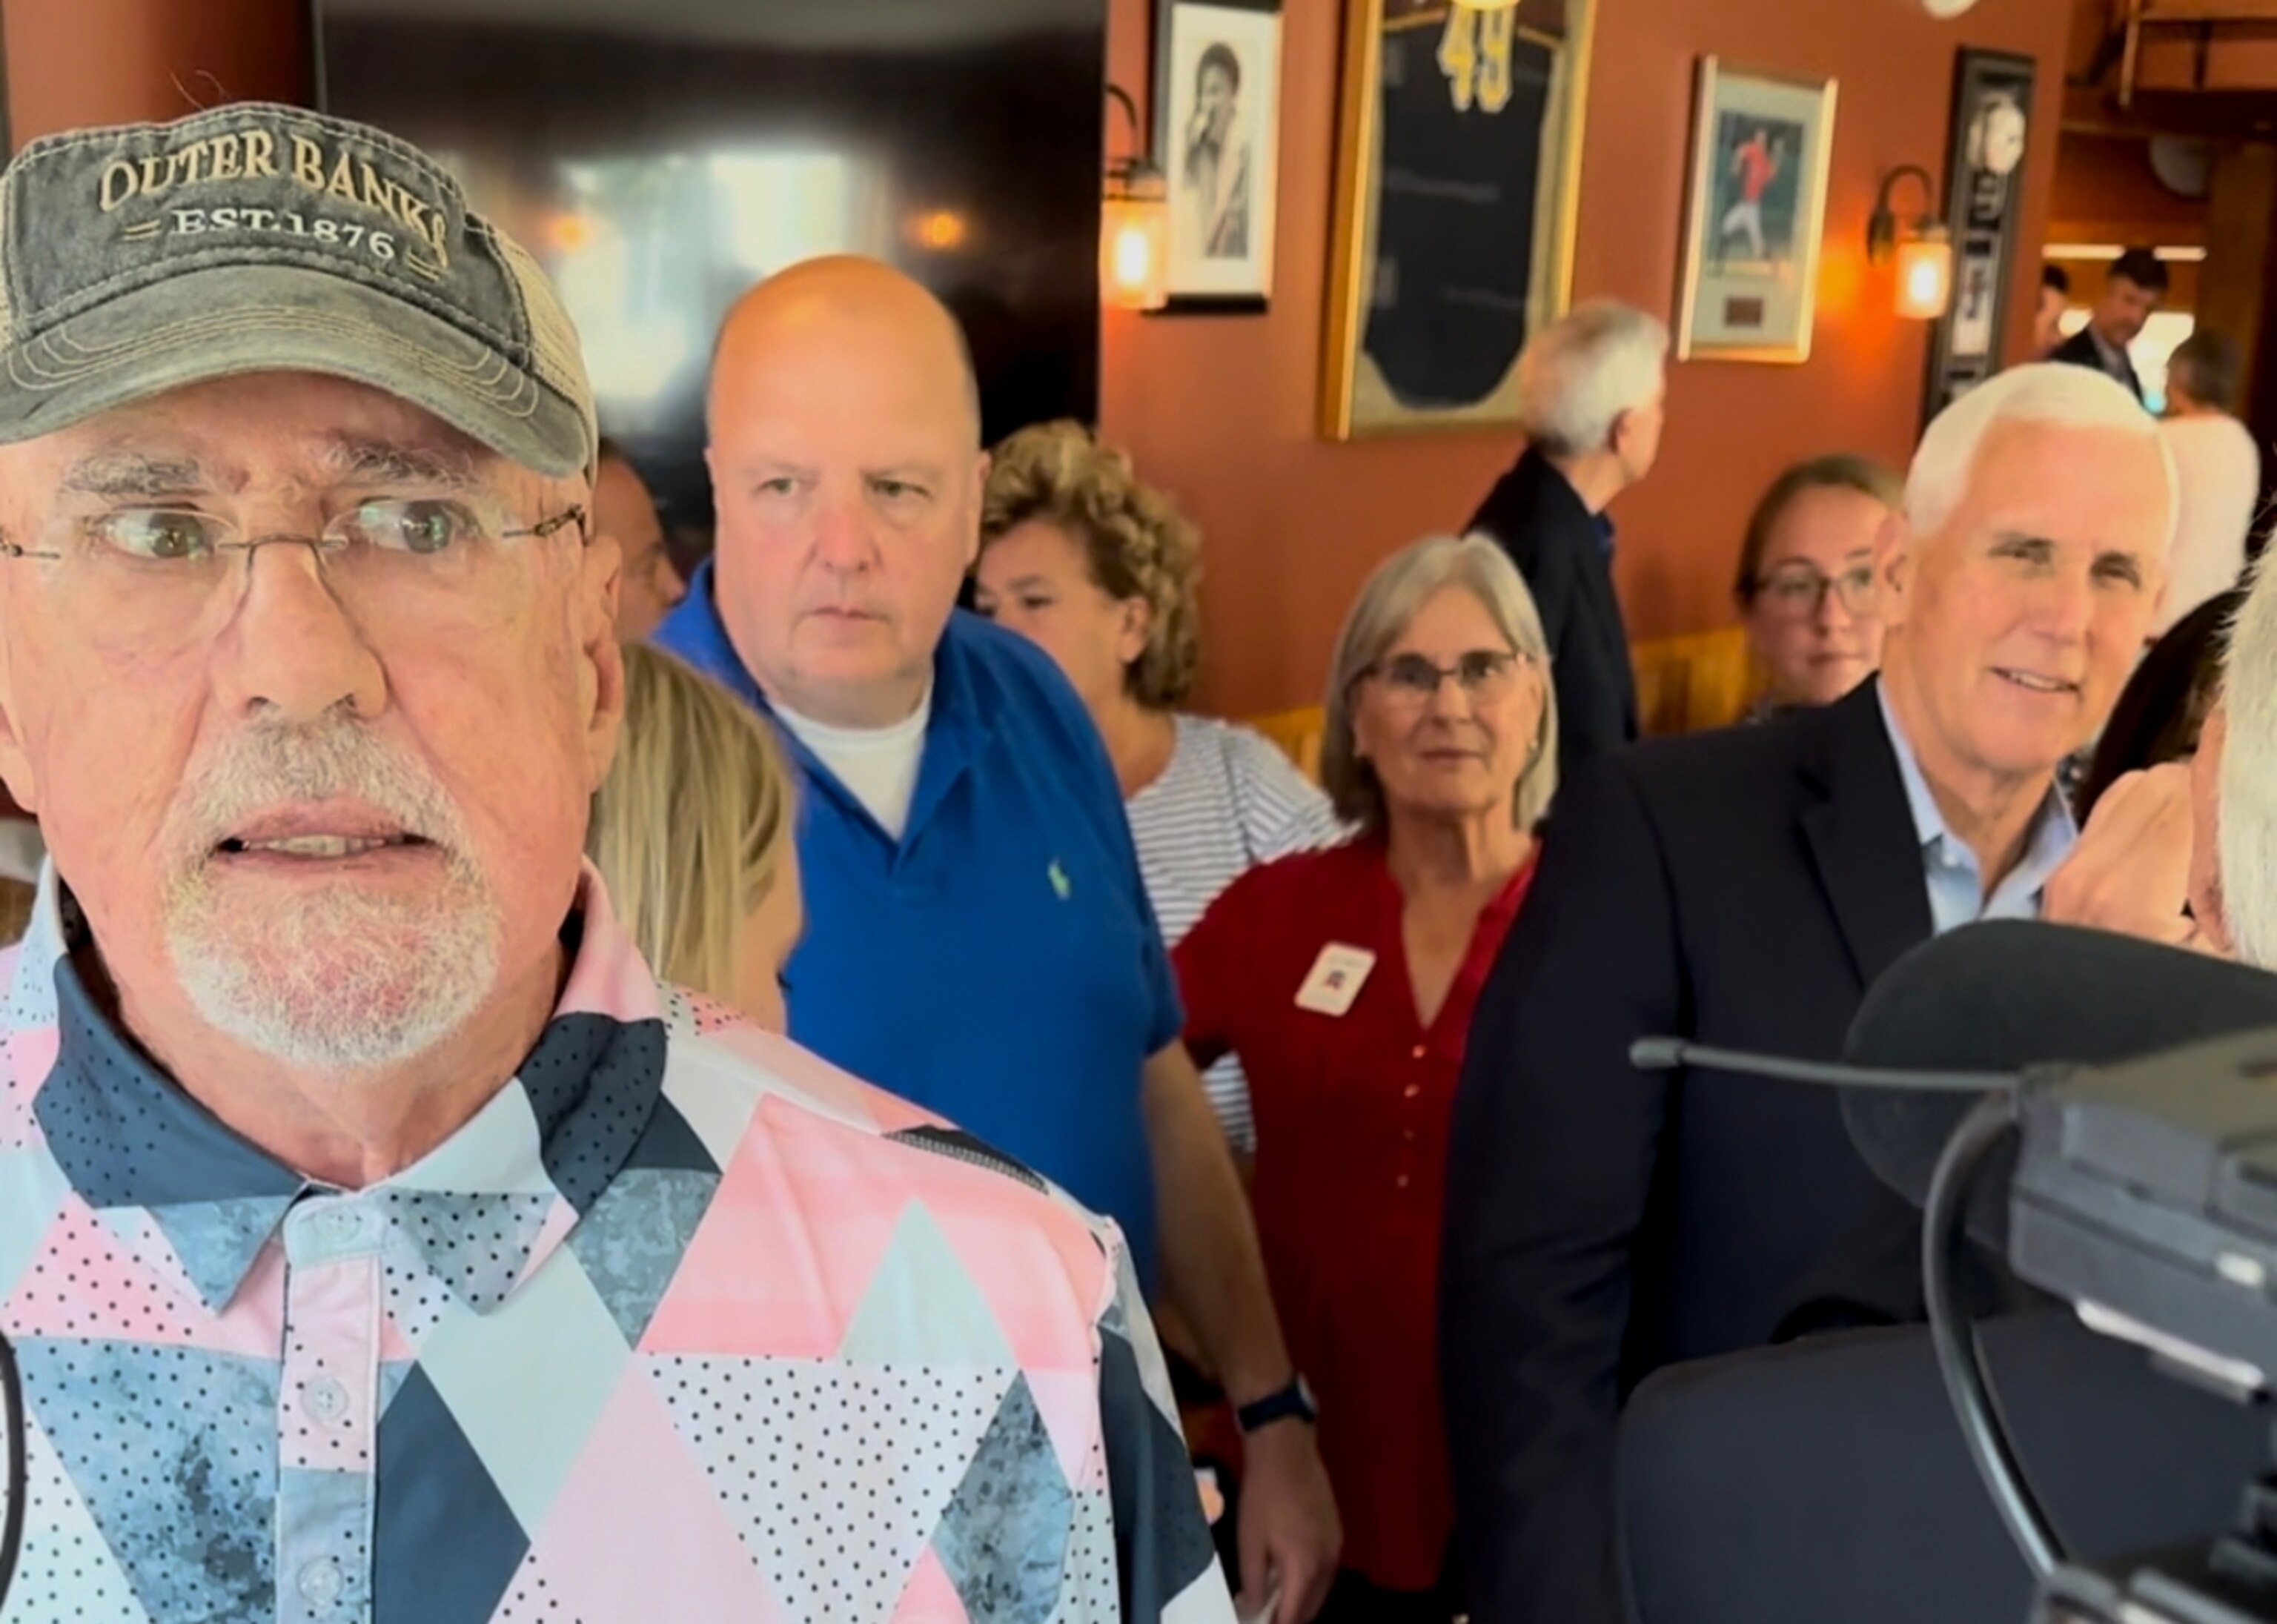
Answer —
1218 125
1458 152
1984 162
1761 148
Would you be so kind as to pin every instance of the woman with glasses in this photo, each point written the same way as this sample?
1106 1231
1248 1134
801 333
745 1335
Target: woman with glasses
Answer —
1806 580
1100 571
1344 980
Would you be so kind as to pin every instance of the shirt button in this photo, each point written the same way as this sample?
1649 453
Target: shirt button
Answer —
1410 1091
320 1583
327 1400
1400 1182
1418 1052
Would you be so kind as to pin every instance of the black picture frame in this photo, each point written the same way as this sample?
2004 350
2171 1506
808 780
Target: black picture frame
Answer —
1168 72
1987 149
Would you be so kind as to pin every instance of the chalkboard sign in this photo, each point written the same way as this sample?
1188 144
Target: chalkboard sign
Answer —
1460 146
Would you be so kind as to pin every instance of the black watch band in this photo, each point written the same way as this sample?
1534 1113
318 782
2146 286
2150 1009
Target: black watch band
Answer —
1293 1402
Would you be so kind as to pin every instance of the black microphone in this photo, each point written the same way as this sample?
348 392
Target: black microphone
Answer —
2012 995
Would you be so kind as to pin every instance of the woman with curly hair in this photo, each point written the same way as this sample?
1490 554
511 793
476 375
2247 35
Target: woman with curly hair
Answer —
1099 570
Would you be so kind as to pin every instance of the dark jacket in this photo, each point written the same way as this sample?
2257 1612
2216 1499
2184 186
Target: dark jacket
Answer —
1829 1481
1793 1485
1561 547
2079 350
1742 888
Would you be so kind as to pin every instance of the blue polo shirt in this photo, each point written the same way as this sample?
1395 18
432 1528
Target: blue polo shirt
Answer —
999 965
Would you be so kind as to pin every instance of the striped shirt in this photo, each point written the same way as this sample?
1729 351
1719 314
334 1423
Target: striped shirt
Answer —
1228 801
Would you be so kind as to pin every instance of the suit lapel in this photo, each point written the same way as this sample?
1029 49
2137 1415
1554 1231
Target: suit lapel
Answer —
1862 835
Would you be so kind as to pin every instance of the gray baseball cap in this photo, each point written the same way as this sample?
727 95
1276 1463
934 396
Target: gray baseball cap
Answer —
258 238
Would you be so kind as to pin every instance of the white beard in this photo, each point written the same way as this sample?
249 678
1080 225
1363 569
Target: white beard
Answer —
343 982
342 979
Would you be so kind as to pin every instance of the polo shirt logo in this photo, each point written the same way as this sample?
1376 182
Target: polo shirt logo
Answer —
1060 886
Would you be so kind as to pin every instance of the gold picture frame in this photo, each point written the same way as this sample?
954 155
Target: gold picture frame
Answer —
1516 82
1763 147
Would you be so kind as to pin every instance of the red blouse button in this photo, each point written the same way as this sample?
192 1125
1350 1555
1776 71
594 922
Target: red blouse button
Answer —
1410 1091
1419 1052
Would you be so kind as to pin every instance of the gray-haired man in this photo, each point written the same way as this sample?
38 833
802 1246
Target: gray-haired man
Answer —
1592 389
380 1241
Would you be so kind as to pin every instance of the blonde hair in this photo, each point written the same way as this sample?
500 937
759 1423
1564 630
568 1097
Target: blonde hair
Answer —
1393 596
1135 542
689 826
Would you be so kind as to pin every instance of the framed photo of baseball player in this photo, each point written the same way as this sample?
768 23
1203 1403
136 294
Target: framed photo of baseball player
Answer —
1761 148
1457 167
1217 123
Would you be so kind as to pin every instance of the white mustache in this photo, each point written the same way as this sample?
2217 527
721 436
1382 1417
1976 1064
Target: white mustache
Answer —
265 768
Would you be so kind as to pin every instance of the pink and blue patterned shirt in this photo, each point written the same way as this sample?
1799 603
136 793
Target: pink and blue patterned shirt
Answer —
682 1325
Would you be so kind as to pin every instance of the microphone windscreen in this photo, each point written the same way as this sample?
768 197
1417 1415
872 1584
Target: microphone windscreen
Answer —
2008 995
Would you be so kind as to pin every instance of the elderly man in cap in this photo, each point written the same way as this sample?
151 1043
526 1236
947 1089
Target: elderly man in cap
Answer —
379 1242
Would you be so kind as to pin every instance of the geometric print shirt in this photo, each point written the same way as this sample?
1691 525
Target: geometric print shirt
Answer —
682 1327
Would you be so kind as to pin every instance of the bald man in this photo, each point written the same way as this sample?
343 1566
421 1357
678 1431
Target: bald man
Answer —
979 937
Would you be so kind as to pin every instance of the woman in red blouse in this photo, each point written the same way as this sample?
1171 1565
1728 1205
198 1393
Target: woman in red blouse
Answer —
1344 980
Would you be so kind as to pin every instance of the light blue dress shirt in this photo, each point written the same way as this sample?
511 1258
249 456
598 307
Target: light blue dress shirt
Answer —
1949 867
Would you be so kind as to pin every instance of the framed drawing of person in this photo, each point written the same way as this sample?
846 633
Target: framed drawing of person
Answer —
1458 152
1761 148
1217 122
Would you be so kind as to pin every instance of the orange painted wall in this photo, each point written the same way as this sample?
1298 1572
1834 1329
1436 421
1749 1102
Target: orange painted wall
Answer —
76 62
2105 192
1221 409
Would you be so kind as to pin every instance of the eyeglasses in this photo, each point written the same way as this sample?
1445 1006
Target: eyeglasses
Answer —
136 569
1485 675
1796 591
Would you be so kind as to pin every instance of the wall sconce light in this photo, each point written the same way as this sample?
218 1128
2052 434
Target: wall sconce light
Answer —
1134 226
1925 275
1922 252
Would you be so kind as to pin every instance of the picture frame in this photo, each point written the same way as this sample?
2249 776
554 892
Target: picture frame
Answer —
1217 126
1986 145
1436 284
1762 146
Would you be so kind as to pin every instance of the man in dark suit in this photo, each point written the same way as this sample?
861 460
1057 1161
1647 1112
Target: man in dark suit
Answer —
1744 888
2131 294
1591 388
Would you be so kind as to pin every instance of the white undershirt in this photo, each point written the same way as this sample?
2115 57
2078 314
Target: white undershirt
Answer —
878 765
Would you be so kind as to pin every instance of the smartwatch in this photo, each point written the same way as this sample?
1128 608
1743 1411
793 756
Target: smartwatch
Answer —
1293 1402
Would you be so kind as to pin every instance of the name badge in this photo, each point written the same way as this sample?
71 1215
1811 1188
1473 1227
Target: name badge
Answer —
1336 978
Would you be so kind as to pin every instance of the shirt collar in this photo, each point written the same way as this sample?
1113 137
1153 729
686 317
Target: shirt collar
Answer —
695 631
2054 830
150 1159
